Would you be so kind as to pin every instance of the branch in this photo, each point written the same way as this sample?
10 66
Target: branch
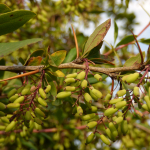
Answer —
43 130
107 71
142 128
122 46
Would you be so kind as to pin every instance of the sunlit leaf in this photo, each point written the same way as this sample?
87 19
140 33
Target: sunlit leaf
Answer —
7 48
13 20
134 60
126 40
96 37
115 31
4 8
58 57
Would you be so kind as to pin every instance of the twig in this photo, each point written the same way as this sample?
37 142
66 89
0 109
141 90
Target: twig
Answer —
107 71
43 130
140 51
122 46
75 39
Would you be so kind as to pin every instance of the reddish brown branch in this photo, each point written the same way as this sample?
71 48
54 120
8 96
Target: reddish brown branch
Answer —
122 46
75 39
44 130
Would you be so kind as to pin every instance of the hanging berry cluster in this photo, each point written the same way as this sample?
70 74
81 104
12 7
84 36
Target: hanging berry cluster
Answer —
113 114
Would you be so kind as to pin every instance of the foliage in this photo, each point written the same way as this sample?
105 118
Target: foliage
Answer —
66 102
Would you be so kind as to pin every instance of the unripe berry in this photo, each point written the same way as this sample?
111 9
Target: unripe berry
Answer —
120 114
38 121
108 132
26 89
63 94
90 138
42 93
114 101
70 88
20 89
14 97
2 114
28 116
136 91
121 93
19 100
93 95
110 111
42 102
124 127
88 117
13 105
2 128
79 110
120 104
144 106
48 88
98 77
10 126
97 93
84 84
81 75
39 112
132 77
113 130
2 106
5 119
92 124
73 75
119 120
105 140
108 97
69 80
11 93
147 100
93 109
88 98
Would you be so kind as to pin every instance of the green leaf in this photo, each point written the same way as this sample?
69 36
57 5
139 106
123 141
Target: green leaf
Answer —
21 60
95 52
134 60
115 31
7 48
58 57
71 55
145 41
96 37
126 40
34 61
13 20
4 8
34 54
28 144
37 53
2 63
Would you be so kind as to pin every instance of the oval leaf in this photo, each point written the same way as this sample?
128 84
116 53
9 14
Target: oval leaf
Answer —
13 20
126 40
4 8
58 57
134 60
115 31
96 37
145 41
7 48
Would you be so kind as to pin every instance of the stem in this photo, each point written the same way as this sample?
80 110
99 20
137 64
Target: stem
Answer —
76 42
140 51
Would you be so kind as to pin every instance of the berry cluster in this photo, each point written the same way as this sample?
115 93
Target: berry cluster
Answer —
114 114
26 108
